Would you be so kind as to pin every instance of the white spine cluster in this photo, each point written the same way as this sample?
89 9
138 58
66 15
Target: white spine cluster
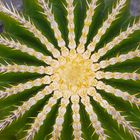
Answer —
124 95
117 75
25 107
54 26
24 68
107 23
89 14
60 119
42 116
119 59
70 17
12 12
3 69
93 118
117 40
95 67
23 48
43 39
21 87
77 132
115 114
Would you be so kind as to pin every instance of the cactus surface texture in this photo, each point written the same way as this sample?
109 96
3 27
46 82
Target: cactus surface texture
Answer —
69 70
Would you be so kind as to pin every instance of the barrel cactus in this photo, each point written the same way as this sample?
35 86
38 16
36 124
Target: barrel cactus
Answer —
69 70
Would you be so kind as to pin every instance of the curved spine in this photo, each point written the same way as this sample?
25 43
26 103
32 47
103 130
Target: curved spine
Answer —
124 95
121 58
70 18
24 68
20 111
54 26
107 23
23 48
42 116
93 118
13 13
24 86
117 40
115 114
77 132
88 20
60 119
117 75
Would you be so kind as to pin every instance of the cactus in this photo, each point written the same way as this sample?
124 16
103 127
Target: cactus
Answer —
69 70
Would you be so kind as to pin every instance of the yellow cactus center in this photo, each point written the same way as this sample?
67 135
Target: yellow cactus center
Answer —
74 73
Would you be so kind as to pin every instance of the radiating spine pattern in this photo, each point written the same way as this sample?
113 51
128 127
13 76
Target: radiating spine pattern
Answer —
74 73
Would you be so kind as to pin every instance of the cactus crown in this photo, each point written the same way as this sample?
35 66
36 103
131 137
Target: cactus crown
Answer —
73 72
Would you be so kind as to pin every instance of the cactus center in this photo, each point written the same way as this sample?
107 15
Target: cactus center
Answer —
74 73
